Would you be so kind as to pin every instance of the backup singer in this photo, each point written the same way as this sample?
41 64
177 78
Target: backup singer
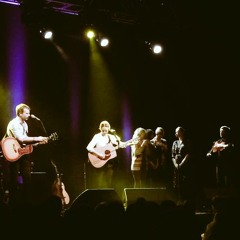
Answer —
164 164
183 172
138 164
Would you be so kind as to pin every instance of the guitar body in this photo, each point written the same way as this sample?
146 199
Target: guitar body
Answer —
12 150
217 147
108 150
58 189
66 198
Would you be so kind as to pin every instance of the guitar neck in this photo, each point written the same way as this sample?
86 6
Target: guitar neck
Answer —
131 141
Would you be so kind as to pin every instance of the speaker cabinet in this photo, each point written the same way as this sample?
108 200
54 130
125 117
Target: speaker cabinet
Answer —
92 197
150 194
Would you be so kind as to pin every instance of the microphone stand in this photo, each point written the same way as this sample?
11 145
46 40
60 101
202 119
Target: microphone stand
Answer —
44 129
53 163
46 134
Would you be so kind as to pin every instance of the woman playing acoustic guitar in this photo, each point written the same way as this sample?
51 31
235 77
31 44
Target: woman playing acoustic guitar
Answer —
102 154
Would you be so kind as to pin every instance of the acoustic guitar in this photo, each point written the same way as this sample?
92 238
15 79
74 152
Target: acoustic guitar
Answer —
58 187
109 152
217 147
13 150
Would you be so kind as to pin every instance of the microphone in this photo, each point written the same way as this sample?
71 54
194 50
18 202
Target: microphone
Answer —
112 131
33 116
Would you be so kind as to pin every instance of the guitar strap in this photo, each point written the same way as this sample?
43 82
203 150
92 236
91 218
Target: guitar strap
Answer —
110 141
5 136
12 134
110 162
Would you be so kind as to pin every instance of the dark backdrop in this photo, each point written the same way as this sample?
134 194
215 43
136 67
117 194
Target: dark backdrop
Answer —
194 84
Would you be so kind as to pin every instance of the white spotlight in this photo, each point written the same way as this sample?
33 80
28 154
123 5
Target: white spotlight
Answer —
104 42
156 48
47 34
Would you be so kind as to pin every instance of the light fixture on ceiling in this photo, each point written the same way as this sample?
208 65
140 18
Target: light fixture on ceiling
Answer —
156 48
102 40
47 34
90 34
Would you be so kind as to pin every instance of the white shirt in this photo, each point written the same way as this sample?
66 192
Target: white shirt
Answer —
17 128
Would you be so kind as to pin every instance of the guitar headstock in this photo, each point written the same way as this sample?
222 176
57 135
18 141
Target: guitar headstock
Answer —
53 137
134 141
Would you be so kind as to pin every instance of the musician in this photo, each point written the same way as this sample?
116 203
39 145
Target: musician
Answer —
222 154
103 146
163 166
183 167
19 171
150 159
138 164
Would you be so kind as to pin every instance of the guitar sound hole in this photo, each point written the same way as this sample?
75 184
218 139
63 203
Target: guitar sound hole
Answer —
107 152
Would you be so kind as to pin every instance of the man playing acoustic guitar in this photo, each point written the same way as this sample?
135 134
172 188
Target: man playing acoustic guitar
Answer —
222 153
17 128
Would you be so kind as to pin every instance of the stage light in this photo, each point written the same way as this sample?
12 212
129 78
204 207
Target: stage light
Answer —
156 48
104 42
98 37
47 34
90 34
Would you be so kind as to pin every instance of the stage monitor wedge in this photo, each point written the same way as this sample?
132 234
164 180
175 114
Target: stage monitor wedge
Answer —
150 194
